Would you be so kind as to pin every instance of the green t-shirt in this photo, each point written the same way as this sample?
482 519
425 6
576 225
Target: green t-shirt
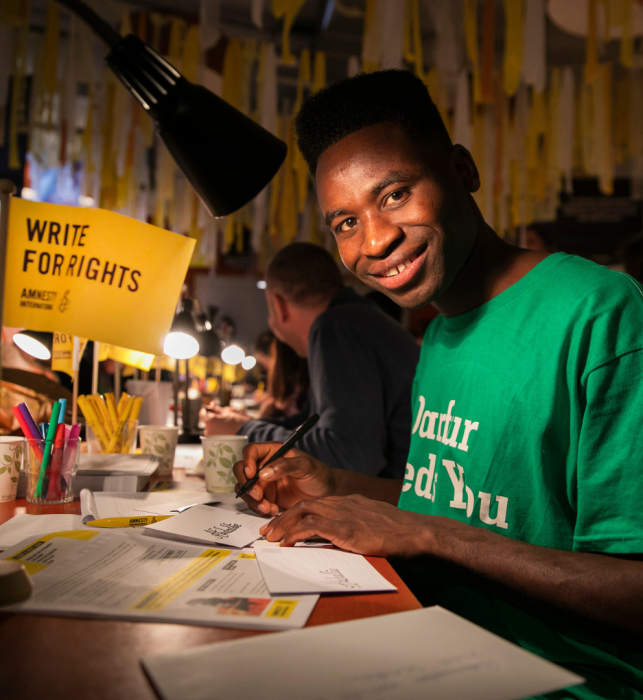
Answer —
527 417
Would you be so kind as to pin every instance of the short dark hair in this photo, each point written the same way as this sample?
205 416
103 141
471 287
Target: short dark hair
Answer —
366 99
305 273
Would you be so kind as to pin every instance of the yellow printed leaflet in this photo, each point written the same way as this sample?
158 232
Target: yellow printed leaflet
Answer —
166 592
40 553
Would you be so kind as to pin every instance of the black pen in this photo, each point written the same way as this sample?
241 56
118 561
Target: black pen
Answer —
299 433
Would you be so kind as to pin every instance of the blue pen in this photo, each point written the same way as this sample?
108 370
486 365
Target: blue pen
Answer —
44 427
63 408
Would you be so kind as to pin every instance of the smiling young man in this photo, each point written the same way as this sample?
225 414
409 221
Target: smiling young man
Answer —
519 508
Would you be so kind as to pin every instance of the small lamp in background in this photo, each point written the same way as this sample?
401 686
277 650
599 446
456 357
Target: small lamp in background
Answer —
248 362
232 355
35 343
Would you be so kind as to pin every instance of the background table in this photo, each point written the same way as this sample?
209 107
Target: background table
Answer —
60 657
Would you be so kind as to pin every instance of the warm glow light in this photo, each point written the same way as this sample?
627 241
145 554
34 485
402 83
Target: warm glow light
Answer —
180 346
232 355
85 201
261 284
31 346
248 362
28 193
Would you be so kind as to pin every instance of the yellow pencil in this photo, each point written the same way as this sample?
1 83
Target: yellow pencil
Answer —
117 432
111 407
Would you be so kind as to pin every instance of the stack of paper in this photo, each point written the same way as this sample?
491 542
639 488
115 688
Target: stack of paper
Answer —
429 653
114 472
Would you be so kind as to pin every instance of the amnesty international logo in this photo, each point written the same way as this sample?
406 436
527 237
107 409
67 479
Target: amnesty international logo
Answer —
64 302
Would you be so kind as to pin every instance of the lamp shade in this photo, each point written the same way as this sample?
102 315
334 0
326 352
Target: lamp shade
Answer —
227 157
38 344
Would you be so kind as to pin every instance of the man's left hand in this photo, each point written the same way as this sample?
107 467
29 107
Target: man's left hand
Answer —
353 523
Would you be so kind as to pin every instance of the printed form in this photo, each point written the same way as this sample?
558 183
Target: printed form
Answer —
126 575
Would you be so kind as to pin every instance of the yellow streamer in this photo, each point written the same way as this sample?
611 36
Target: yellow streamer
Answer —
627 40
512 63
17 87
368 37
232 70
299 164
319 72
288 209
413 37
51 48
471 37
190 56
591 57
288 9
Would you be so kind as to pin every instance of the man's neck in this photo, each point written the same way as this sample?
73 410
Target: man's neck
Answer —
306 316
491 268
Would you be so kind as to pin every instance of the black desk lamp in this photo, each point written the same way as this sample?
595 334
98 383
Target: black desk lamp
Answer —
227 157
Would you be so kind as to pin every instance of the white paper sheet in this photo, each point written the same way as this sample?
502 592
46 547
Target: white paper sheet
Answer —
288 570
124 575
207 525
22 526
429 653
187 457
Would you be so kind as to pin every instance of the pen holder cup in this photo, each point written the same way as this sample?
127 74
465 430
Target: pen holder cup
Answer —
125 442
53 484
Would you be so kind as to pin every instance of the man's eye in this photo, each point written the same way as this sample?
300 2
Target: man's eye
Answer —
346 225
395 197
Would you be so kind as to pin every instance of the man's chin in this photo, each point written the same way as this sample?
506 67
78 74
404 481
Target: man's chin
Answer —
409 298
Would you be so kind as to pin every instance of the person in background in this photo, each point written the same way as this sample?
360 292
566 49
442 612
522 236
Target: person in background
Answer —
287 393
361 366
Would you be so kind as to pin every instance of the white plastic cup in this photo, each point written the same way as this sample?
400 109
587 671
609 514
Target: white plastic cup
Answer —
12 453
220 452
160 441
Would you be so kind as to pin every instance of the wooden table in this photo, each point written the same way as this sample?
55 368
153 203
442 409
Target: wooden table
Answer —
58 657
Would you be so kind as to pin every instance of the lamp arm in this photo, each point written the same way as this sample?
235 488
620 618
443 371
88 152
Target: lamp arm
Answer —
104 30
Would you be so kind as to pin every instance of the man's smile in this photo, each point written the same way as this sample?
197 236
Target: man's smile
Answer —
401 269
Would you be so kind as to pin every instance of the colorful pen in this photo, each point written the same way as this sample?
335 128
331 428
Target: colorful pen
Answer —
46 455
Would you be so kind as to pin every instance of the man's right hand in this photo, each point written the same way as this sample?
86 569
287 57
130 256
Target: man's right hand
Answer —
292 478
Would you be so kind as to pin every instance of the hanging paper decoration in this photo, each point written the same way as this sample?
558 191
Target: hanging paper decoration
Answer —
413 37
288 9
488 50
591 56
512 62
534 45
471 36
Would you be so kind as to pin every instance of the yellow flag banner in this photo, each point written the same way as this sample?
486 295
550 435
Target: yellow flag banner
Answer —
92 273
62 352
132 358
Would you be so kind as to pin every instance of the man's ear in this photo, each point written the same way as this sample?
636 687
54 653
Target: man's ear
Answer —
281 307
466 168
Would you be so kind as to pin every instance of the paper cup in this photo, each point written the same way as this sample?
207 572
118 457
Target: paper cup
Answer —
220 452
12 451
160 441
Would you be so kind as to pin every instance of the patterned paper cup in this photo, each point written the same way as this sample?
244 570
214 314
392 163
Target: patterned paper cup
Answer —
12 450
160 441
220 452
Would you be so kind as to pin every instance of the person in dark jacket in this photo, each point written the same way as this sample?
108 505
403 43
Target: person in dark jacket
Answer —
361 365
